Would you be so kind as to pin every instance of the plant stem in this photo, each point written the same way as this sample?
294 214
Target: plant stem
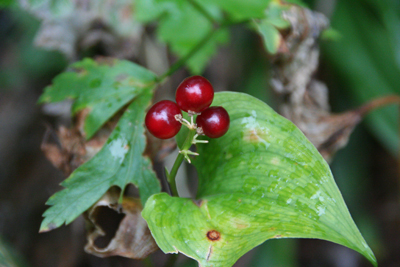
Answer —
171 177
204 12
177 65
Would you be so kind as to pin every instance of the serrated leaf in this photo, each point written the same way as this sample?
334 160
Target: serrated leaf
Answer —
182 27
119 163
260 181
103 87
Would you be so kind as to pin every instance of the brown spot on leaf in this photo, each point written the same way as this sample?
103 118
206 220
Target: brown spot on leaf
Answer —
213 235
198 202
240 223
277 236
241 226
254 135
80 71
272 229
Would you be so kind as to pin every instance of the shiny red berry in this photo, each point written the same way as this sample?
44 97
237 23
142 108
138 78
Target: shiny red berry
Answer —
194 94
160 119
214 121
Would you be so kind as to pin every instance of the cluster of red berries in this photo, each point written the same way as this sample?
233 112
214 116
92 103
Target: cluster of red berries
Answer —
194 95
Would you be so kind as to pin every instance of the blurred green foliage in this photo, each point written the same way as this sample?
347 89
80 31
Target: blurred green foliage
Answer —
367 60
9 257
24 61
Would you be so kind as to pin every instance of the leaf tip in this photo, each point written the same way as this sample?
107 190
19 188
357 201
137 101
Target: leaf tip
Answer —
47 227
44 98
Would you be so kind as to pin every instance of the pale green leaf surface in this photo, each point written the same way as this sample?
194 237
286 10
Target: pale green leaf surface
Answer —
102 87
119 163
262 180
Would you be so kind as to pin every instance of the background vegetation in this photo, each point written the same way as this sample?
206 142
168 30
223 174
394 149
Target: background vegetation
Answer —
361 64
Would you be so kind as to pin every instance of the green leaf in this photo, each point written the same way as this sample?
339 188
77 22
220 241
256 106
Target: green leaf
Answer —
268 27
148 10
182 27
260 181
241 10
331 34
119 163
270 34
273 14
103 87
298 2
6 3
9 257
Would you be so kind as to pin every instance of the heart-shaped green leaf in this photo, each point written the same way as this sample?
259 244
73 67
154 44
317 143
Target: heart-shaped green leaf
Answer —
262 180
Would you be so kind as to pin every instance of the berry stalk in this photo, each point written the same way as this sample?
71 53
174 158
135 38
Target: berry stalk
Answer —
172 175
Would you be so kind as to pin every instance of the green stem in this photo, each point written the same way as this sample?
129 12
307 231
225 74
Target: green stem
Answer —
177 65
172 175
204 12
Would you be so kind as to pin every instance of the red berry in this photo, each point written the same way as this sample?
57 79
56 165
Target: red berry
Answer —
194 94
214 121
160 119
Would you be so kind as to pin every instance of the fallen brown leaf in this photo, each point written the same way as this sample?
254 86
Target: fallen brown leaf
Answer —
128 237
